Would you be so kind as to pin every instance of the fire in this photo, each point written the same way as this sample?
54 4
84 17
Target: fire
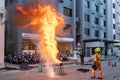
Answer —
46 20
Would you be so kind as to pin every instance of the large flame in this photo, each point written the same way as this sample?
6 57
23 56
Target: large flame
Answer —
46 21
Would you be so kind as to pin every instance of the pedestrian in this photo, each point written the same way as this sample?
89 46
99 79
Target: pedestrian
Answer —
82 57
97 61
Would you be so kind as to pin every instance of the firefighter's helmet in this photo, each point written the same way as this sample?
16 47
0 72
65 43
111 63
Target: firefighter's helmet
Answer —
97 49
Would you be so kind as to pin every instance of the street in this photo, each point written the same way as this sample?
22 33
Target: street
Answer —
71 73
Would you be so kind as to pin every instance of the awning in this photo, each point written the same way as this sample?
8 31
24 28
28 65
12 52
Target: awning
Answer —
36 37
109 41
64 39
94 44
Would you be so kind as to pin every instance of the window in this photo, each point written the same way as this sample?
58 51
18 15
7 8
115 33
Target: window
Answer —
67 11
11 1
96 8
104 12
86 17
113 26
67 27
8 29
104 34
114 36
87 31
113 15
96 33
96 20
87 4
104 23
113 5
6 3
27 44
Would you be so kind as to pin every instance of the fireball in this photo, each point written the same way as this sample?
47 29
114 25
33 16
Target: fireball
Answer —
47 21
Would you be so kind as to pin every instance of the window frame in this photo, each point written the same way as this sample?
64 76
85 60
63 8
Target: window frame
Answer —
67 11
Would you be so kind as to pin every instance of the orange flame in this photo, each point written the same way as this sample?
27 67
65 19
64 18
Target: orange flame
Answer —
47 22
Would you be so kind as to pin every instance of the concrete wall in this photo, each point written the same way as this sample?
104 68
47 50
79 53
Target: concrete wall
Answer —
1 35
1 45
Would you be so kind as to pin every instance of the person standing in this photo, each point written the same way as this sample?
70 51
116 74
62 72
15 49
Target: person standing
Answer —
82 57
97 61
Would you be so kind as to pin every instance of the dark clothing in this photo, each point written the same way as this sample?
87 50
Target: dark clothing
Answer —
82 57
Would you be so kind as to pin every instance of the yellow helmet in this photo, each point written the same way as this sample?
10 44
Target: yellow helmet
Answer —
97 49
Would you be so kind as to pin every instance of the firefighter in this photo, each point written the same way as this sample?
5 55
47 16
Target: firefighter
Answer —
97 61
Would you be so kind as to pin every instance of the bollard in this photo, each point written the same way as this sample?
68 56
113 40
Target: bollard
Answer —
89 61
112 65
108 63
39 67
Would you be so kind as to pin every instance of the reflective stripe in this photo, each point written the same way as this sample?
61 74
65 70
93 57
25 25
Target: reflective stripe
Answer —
98 61
97 57
99 71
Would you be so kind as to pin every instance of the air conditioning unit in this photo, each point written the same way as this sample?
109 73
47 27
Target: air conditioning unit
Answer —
2 10
61 0
101 27
93 12
101 2
101 15
77 19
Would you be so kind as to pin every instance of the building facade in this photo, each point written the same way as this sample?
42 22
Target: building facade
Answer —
116 26
95 23
115 16
19 40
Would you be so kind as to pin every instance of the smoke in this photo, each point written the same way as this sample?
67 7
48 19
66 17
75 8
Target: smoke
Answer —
16 18
19 19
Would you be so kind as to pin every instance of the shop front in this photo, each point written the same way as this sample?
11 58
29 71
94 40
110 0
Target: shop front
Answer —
90 46
29 43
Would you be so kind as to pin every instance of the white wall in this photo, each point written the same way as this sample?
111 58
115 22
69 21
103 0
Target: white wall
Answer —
2 3
1 45
2 6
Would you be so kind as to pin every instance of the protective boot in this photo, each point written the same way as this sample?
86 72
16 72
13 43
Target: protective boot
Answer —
93 74
100 74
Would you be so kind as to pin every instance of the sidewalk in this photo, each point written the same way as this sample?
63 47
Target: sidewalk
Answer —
110 58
